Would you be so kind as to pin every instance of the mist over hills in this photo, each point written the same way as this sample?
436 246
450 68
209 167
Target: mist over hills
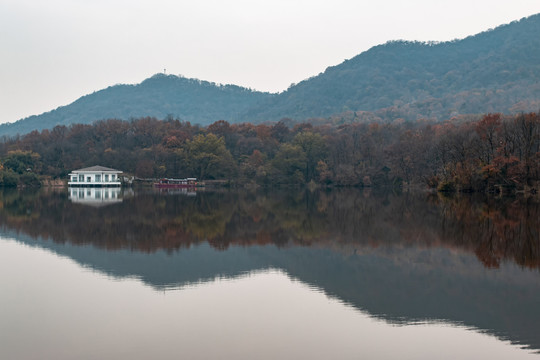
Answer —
494 71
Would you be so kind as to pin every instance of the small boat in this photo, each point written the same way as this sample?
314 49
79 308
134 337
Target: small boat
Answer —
177 183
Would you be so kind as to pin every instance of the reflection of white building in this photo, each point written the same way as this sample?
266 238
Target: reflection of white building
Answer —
95 196
95 176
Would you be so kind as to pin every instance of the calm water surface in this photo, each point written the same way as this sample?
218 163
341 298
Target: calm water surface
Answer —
267 274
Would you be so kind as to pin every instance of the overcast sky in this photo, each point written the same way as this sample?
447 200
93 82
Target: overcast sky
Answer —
55 51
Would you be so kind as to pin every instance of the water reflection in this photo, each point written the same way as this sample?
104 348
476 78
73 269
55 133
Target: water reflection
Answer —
495 230
95 196
262 315
405 259
189 191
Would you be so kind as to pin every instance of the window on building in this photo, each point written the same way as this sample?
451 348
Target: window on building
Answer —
74 178
98 178
81 178
113 177
106 177
88 179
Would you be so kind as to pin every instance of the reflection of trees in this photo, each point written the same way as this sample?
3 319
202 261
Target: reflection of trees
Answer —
143 223
495 230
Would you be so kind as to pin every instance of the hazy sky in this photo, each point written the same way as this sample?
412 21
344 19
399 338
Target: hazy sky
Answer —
54 51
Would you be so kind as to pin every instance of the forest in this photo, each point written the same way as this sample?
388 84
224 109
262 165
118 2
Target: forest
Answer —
492 153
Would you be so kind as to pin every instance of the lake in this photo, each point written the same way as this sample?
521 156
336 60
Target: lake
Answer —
267 274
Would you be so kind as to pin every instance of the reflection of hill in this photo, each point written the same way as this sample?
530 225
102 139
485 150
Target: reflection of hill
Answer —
399 258
401 286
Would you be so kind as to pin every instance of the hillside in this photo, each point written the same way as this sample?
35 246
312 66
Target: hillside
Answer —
494 71
159 96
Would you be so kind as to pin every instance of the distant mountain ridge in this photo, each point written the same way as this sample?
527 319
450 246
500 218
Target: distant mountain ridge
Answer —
158 96
494 71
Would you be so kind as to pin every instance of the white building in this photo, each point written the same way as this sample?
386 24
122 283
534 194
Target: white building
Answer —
95 176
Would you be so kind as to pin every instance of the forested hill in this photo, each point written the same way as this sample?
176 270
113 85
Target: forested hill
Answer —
494 71
159 96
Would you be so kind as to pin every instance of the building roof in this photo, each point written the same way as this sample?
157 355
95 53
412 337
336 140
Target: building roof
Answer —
97 168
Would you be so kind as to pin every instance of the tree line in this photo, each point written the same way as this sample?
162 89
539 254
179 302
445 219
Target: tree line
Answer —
490 153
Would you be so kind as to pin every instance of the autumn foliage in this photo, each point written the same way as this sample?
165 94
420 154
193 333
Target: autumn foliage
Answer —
493 153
